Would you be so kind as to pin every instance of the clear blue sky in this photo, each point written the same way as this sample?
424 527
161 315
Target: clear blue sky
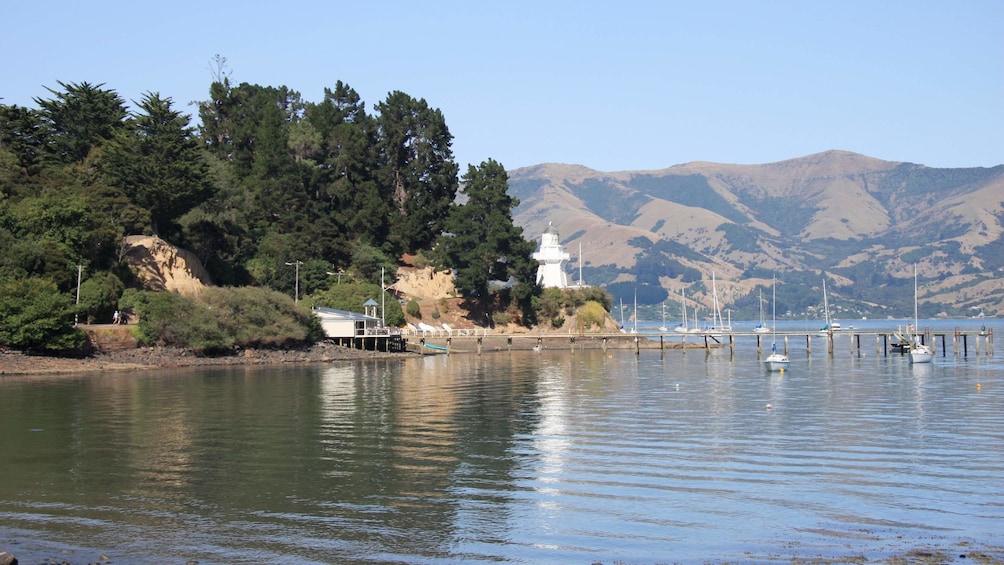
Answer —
610 85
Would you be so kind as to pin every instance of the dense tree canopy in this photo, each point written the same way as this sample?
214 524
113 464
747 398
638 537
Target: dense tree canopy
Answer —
266 181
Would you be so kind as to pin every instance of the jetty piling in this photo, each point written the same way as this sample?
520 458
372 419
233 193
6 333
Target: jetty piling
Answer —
886 342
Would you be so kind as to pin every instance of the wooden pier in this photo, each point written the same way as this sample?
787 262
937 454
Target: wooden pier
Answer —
957 342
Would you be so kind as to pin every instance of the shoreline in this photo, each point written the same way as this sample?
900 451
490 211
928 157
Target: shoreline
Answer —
149 358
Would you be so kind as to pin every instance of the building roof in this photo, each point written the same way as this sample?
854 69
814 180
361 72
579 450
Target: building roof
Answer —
343 314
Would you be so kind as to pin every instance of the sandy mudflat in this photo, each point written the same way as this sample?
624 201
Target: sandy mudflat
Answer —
16 363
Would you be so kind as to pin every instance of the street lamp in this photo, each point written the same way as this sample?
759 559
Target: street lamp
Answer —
296 292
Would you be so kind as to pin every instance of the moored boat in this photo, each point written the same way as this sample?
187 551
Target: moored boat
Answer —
919 352
775 361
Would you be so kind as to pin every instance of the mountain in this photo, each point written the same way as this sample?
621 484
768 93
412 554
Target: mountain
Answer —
860 222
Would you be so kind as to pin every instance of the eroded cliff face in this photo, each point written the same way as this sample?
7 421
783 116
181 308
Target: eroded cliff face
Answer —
424 283
162 266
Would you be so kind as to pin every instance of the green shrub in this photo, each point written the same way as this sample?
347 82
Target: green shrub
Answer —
590 314
35 316
502 318
99 297
413 309
220 318
255 316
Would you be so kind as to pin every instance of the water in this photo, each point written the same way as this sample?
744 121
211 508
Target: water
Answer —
522 457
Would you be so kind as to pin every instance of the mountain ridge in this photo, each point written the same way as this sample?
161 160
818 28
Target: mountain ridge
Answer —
860 221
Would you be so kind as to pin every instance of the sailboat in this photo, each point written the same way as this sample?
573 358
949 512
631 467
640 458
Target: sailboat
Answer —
775 361
761 327
682 326
919 352
635 329
830 325
663 327
718 326
697 327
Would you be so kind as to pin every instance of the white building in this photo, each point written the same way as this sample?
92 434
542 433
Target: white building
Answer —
342 324
552 259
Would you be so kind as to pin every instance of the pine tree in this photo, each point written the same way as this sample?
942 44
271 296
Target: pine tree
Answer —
80 119
482 243
157 161
417 171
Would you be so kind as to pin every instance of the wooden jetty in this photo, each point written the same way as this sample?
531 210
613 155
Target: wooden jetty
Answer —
885 342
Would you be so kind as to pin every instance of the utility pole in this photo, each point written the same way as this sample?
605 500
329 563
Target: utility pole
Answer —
383 291
580 265
80 268
339 273
296 291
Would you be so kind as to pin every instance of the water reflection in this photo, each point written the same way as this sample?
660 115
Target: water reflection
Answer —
554 457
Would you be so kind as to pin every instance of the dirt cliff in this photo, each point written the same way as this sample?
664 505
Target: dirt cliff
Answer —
162 266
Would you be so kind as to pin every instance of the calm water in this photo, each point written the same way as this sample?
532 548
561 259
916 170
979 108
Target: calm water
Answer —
515 457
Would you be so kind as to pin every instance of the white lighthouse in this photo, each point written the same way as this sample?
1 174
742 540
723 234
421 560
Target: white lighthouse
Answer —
552 259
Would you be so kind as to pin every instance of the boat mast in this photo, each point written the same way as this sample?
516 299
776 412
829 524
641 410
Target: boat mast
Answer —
716 316
916 321
826 307
636 311
773 305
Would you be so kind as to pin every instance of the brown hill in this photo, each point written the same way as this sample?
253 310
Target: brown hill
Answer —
862 221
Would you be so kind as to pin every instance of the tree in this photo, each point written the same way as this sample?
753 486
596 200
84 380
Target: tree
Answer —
23 132
83 117
417 172
345 178
99 296
218 230
482 243
35 316
371 264
157 161
52 232
350 296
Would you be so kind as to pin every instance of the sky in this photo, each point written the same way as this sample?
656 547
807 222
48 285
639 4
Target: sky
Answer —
613 86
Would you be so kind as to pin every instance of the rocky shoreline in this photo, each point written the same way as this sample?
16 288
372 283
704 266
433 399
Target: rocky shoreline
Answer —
18 363
141 358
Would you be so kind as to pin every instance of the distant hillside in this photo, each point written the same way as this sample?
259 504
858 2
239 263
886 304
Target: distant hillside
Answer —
863 222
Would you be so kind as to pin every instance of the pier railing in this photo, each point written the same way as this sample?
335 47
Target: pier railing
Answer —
856 342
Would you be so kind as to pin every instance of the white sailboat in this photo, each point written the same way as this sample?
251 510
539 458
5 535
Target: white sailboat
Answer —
696 329
663 327
762 326
718 326
919 352
775 361
830 325
682 326
635 329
